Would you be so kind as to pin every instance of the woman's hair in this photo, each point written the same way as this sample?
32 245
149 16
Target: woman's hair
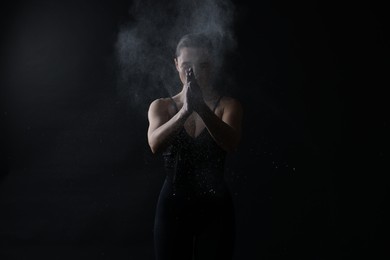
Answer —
194 40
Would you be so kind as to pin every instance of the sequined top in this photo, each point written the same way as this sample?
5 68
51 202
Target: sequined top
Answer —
195 165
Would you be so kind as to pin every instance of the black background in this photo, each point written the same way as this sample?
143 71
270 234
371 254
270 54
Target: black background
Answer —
309 179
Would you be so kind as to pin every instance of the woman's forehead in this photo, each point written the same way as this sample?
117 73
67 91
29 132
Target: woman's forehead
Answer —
191 54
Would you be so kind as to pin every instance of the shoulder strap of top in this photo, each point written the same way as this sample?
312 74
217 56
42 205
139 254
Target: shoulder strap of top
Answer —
216 103
174 103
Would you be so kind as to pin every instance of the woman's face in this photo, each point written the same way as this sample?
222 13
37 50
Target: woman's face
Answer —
199 60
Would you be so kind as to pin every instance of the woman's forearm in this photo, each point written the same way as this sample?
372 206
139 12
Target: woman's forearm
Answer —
224 135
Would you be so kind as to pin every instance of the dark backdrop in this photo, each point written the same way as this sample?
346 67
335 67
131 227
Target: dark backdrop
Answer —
79 181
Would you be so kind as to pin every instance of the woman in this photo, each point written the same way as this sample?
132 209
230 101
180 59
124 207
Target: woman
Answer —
194 130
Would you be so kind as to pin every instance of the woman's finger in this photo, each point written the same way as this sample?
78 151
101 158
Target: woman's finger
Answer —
191 74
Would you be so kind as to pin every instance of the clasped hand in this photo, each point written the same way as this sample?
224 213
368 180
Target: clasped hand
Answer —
193 94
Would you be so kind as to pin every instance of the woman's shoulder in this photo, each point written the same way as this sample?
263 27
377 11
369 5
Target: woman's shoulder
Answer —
162 105
230 101
161 102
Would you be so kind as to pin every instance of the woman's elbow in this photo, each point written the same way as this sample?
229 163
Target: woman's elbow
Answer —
153 150
153 147
156 144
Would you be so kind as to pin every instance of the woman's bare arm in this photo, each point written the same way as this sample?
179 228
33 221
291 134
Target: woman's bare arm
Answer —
161 127
226 131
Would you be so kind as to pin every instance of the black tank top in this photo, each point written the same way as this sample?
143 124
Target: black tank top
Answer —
195 165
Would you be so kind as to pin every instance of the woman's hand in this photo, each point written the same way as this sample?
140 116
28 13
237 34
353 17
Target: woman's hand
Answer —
193 94
187 106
